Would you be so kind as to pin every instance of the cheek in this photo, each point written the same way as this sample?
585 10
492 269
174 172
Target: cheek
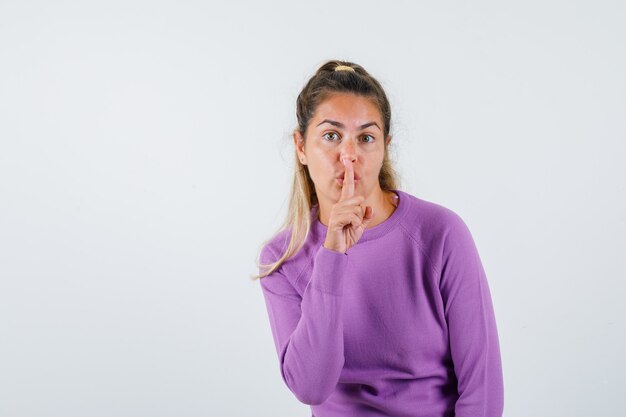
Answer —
323 162
375 163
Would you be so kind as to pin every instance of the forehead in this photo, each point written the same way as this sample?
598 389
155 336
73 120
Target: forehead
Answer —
349 109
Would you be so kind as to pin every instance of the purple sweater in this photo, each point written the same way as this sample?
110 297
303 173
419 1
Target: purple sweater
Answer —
402 324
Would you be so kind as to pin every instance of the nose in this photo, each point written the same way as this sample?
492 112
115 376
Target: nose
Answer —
348 150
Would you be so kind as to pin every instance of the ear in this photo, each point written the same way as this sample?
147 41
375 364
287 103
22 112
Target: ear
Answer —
388 140
298 141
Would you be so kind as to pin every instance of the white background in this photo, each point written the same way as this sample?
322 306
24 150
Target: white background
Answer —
145 155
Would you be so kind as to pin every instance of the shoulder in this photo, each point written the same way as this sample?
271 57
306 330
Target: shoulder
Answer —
428 218
273 248
434 227
284 280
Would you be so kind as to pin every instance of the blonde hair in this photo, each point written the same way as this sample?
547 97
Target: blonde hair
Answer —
327 80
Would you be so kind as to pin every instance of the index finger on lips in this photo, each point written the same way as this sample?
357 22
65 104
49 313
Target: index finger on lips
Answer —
347 189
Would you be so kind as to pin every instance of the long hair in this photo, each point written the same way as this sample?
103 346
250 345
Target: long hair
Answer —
325 81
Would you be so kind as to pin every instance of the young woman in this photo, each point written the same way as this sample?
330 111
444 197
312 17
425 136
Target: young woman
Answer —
377 299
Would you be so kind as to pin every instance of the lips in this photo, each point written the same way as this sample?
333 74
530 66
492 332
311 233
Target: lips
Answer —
356 177
340 180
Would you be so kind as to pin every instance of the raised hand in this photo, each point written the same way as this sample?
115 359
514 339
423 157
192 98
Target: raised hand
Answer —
348 219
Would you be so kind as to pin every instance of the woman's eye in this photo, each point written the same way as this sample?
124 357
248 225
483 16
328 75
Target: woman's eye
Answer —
333 135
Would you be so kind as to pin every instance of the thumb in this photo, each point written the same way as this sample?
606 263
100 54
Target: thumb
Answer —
369 215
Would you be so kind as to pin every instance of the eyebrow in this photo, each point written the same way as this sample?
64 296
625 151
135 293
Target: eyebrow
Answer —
341 125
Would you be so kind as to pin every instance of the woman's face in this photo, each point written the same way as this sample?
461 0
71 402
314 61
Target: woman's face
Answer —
344 125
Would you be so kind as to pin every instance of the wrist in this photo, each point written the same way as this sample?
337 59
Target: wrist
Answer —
331 247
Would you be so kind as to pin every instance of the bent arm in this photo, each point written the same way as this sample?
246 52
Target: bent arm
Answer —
308 329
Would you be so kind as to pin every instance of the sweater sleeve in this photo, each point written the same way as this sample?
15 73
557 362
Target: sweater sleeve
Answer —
472 328
308 329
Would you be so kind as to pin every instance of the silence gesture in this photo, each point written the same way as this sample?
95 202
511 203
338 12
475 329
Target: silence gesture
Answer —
348 219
